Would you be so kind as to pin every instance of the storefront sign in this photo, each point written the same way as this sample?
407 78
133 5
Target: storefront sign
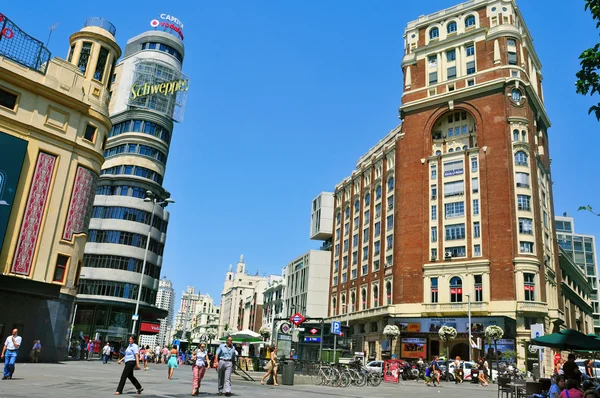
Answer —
413 348
391 371
433 325
12 154
150 327
165 88
169 22
312 339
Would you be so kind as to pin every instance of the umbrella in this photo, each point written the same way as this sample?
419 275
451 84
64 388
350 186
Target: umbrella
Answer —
246 336
569 339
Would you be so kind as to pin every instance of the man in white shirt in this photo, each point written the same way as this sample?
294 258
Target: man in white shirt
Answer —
157 354
105 353
9 353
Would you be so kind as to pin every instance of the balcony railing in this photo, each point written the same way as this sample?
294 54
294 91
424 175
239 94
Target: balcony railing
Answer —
21 48
532 306
455 308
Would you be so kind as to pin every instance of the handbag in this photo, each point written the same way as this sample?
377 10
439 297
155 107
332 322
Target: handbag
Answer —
268 366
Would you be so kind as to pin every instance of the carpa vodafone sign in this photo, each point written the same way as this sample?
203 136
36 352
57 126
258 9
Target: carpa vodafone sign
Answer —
169 22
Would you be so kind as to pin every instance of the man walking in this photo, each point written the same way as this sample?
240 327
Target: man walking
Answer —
105 353
9 353
224 362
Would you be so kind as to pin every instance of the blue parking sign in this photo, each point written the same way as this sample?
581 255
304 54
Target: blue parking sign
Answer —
336 327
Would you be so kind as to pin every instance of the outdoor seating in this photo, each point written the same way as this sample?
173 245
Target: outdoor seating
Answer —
504 386
532 387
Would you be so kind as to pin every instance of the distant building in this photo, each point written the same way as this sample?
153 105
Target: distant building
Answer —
165 299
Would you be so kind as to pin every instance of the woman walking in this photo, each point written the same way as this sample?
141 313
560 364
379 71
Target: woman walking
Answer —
199 368
271 367
132 360
172 363
147 357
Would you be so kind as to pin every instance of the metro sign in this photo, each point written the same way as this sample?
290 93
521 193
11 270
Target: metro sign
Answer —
297 318
314 331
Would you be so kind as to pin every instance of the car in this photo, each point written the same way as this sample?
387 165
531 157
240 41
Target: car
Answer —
595 367
467 366
375 366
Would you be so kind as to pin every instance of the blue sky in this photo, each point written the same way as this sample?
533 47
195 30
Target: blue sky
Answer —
285 96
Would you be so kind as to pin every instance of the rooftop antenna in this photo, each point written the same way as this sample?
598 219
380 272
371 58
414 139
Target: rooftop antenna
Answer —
50 34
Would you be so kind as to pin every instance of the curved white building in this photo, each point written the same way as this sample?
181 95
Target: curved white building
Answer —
148 95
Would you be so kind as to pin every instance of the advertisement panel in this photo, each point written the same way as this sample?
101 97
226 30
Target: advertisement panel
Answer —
391 370
413 348
502 345
433 325
12 154
148 327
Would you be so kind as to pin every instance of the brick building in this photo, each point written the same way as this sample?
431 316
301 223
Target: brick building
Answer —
457 200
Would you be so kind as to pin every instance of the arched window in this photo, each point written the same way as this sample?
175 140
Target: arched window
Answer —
391 184
524 135
470 21
353 301
521 158
388 293
516 95
347 212
434 33
457 149
452 27
343 304
464 148
367 199
456 290
333 306
515 135
378 192
438 152
363 298
375 296
357 206
451 150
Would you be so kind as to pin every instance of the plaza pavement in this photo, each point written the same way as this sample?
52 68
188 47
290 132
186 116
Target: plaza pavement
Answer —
93 379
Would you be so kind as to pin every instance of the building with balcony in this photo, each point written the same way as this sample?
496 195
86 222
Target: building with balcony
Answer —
53 127
582 251
147 99
455 203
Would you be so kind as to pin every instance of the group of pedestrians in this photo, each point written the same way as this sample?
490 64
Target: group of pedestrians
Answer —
567 379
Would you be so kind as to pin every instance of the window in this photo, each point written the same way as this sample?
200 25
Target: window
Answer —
525 226
512 58
522 180
474 165
477 250
7 99
470 21
470 50
389 242
347 215
433 254
434 33
388 293
355 240
524 136
71 51
334 306
354 258
344 277
456 290
363 297
376 265
452 27
345 245
390 184
452 72
515 135
526 247
84 56
389 222
454 209
516 95
478 287
476 229
470 82
368 199
377 228
336 266
433 168
434 212
454 188
377 248
453 168
434 191
529 282
337 234
90 133
432 61
475 207
475 185
434 234
512 51
450 55
524 202
455 231
390 202
365 253
378 192
346 229
377 210
375 296
434 290
101 64
366 235
338 218
521 158
356 222
357 206
457 251
470 67
61 268
433 78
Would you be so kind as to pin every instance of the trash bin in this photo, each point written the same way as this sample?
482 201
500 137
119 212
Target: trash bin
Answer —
536 371
288 373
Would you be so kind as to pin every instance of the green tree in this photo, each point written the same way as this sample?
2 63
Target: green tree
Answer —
588 78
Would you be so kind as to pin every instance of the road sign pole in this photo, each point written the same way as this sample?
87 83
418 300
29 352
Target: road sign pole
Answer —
321 342
335 348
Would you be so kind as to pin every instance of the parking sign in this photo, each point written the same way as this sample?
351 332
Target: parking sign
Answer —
336 327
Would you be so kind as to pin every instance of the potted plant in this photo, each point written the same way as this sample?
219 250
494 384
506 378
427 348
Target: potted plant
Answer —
494 333
391 332
447 334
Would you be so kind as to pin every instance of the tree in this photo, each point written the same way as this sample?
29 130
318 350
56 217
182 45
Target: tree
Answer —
589 76
211 333
391 332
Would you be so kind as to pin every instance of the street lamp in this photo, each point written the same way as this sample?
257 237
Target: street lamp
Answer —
469 325
150 197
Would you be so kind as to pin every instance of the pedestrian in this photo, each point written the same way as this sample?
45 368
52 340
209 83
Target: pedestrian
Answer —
105 353
165 355
147 357
572 390
157 354
483 372
557 387
271 367
458 372
172 362
435 374
132 360
199 367
9 353
90 347
224 361
35 351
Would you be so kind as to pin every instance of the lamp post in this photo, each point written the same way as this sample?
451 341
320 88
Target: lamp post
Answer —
469 325
150 197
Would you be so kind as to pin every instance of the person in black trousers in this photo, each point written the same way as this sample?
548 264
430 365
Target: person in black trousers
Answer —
132 360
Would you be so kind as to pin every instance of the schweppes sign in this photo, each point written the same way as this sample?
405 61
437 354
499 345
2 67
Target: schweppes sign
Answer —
166 88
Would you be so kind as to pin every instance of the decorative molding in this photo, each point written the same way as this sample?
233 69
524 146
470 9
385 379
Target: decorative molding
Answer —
82 200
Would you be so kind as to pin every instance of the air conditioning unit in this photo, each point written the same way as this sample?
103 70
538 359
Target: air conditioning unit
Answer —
448 255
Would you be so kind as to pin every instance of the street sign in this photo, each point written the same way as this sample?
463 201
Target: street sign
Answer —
537 330
297 318
285 328
135 317
336 327
314 331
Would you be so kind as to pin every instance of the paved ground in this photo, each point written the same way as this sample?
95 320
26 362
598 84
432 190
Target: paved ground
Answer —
93 379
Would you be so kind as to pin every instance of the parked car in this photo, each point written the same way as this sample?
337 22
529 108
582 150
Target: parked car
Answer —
375 366
467 366
595 367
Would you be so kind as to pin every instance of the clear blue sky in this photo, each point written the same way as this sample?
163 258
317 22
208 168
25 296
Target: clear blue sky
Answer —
285 96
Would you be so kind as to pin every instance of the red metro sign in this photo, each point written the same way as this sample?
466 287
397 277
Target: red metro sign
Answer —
314 331
297 318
